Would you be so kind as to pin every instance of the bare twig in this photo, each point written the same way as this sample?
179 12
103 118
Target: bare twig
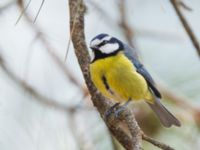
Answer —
41 5
108 19
7 5
156 143
186 26
21 3
128 32
181 3
172 37
180 100
71 31
83 143
51 50
126 28
29 89
175 98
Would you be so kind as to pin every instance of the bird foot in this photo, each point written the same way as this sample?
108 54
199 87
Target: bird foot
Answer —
119 111
110 111
115 110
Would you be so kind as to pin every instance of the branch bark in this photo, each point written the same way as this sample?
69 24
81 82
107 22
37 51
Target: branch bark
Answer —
186 25
130 140
156 143
130 135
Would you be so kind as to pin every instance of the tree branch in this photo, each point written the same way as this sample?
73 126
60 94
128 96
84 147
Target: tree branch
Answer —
186 25
29 89
179 100
132 140
50 50
7 5
156 143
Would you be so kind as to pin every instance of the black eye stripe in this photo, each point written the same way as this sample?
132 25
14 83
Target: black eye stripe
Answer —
102 43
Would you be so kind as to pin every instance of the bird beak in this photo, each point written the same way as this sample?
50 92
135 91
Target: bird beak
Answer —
94 47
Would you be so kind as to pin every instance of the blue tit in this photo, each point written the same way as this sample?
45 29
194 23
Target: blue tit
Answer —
120 76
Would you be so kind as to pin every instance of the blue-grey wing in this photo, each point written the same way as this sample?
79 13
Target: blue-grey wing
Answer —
141 69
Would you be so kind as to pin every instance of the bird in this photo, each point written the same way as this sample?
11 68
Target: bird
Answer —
119 75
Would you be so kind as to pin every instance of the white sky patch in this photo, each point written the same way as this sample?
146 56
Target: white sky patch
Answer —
109 48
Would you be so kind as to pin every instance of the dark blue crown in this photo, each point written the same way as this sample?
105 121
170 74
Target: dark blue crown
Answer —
100 36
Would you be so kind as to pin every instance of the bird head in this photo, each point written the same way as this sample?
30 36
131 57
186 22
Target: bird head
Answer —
104 45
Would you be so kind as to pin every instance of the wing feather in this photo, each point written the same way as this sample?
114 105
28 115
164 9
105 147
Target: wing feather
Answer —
142 70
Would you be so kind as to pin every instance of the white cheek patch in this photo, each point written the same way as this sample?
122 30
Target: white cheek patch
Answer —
95 42
109 48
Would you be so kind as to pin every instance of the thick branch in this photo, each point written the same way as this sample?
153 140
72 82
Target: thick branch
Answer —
133 142
186 25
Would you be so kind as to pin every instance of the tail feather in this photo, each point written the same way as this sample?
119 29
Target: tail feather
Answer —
166 118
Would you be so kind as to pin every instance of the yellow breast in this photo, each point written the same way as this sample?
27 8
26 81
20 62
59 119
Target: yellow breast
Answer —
121 78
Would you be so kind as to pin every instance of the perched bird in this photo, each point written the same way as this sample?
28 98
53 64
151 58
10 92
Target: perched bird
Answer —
120 76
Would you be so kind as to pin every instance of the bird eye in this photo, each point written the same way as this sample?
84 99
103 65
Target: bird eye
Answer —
104 42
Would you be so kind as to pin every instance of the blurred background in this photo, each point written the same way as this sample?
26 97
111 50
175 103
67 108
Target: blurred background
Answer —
44 104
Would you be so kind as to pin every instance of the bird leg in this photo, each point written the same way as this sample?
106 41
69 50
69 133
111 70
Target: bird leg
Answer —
120 109
117 109
109 112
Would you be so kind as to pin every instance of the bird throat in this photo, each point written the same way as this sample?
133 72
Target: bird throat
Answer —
99 55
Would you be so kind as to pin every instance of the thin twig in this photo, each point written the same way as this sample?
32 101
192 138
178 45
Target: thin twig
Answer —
106 16
39 97
110 22
71 32
180 100
128 32
20 2
83 143
7 5
186 7
126 28
186 25
38 12
51 50
156 143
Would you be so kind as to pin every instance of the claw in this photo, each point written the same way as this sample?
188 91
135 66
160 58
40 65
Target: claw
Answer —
110 111
116 109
